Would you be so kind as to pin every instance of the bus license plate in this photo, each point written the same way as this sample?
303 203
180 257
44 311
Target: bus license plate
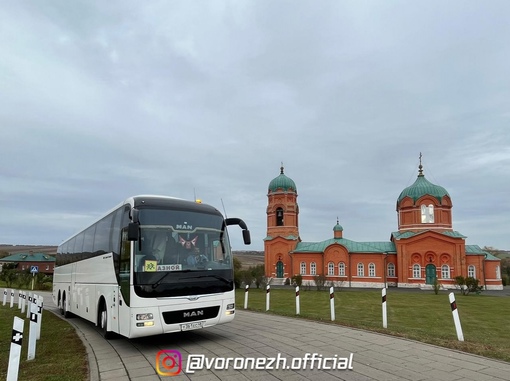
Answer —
194 325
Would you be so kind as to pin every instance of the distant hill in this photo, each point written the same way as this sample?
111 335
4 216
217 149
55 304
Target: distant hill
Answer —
247 258
15 249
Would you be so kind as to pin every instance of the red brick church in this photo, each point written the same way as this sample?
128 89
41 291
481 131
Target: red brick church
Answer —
424 248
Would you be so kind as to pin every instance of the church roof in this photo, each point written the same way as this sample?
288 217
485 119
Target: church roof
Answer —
408 234
422 187
351 246
283 182
476 250
28 257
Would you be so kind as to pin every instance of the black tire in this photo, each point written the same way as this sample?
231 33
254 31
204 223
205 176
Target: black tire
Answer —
63 307
103 322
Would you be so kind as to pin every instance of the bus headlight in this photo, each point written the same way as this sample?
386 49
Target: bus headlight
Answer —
144 317
230 309
145 324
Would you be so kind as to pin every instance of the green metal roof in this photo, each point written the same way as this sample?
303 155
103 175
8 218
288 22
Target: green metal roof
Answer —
351 246
476 250
26 257
422 187
291 237
408 234
283 182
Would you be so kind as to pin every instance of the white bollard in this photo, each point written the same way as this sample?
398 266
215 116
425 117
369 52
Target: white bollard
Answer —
456 318
384 312
246 297
12 298
40 302
268 292
29 304
22 302
19 299
332 302
32 333
5 297
15 351
298 306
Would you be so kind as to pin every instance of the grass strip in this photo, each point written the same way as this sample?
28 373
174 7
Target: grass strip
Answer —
419 316
60 354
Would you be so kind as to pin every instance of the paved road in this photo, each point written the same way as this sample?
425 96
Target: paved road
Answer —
251 335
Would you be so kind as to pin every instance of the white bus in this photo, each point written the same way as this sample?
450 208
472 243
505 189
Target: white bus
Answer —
152 265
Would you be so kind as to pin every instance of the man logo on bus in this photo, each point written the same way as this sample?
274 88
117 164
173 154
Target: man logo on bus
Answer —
188 244
184 227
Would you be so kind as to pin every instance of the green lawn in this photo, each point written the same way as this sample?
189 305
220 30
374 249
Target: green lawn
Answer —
419 315
60 354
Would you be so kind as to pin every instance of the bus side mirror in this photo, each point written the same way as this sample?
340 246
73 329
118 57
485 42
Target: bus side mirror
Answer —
246 237
133 231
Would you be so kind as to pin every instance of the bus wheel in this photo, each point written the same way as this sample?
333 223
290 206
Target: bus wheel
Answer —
63 306
103 322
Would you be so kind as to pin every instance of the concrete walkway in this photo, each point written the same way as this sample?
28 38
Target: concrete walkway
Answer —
252 335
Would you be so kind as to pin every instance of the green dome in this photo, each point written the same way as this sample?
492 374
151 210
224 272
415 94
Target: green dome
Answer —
283 182
422 187
338 228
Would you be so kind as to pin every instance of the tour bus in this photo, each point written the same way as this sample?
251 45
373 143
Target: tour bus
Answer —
152 265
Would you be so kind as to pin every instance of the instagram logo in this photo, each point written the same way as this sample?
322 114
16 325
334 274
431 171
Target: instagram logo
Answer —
168 362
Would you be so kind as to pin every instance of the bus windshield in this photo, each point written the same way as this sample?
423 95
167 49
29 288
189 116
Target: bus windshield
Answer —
178 249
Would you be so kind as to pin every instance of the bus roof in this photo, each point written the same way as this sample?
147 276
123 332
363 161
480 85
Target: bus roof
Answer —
158 201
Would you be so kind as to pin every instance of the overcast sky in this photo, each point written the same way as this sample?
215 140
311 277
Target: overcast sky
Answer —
104 100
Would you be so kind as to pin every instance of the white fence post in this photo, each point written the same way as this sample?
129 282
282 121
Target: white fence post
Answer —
22 302
332 302
40 303
246 296
15 351
12 298
5 297
384 312
456 318
32 332
29 304
298 305
268 292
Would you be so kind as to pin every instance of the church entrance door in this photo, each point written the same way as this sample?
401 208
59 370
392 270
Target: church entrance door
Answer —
279 269
430 273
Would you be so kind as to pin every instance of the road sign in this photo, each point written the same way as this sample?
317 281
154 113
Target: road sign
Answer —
34 269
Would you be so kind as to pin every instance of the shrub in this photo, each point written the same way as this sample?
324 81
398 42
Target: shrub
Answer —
468 285
258 275
320 282
297 280
437 286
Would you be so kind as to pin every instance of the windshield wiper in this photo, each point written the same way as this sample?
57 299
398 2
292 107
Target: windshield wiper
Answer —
158 282
210 276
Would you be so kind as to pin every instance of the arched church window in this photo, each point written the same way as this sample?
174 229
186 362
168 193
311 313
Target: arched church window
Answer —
371 269
313 268
416 271
471 271
279 217
302 269
331 268
427 214
445 272
361 269
341 269
391 269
